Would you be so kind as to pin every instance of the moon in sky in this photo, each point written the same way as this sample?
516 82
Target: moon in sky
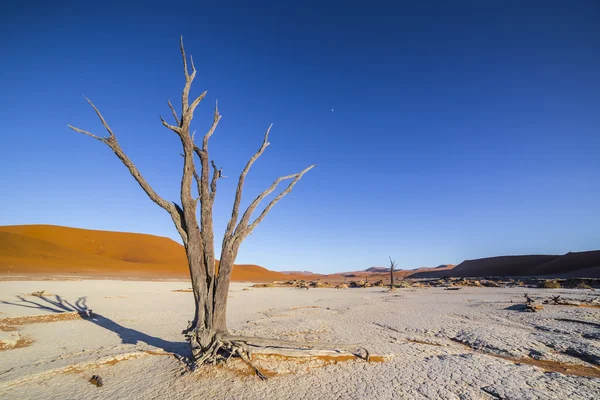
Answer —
332 110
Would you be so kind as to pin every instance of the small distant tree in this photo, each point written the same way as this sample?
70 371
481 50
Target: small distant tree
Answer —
392 269
207 332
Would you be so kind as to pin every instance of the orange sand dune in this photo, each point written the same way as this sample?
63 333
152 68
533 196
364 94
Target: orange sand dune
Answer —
58 250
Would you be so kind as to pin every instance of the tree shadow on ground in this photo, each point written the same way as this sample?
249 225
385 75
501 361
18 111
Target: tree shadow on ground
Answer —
127 335
517 307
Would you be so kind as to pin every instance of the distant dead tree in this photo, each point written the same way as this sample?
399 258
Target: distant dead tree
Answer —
207 333
392 269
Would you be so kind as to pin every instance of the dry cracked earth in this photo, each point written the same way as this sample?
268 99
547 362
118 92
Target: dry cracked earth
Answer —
476 343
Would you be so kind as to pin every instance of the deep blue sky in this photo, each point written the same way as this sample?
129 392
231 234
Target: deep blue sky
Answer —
461 129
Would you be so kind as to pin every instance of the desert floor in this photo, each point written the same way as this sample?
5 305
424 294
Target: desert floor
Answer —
475 343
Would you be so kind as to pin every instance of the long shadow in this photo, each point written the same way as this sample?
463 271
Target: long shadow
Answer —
127 335
516 307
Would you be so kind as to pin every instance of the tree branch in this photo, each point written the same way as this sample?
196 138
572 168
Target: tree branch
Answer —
217 173
99 114
111 141
198 183
175 129
188 83
195 104
185 68
204 191
245 229
174 113
216 119
238 193
102 139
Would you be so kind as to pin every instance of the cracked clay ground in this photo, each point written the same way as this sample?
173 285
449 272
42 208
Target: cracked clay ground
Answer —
475 343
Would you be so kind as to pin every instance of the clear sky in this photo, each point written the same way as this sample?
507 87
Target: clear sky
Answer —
460 129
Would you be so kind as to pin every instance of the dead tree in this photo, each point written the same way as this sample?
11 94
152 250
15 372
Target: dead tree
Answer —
207 333
528 299
532 305
392 269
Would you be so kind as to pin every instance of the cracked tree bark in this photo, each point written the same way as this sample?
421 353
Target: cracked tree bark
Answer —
207 333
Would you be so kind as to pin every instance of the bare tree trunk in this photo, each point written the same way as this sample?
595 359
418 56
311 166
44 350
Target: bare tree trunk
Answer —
201 333
392 268
221 293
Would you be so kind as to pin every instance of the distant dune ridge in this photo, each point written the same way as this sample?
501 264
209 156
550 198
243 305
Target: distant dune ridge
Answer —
49 249
376 273
378 269
582 264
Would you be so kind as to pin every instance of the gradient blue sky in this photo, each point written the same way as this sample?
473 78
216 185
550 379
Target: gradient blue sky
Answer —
461 129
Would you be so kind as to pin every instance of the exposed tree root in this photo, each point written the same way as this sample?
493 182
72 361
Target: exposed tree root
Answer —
224 346
291 348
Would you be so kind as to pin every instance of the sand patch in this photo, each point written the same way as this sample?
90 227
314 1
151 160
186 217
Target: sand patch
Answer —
271 365
41 293
81 368
8 324
21 342
589 306
556 366
546 365
183 291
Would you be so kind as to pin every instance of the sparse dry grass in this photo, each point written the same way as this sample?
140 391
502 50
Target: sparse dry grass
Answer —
550 284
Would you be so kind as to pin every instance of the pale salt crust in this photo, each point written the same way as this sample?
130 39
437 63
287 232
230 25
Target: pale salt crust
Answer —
437 343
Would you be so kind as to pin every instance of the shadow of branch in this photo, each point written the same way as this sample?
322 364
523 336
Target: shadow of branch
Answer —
127 335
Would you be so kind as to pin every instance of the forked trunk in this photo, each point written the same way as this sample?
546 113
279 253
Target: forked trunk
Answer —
202 331
210 296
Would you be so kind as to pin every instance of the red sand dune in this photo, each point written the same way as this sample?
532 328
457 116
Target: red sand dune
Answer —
48 249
